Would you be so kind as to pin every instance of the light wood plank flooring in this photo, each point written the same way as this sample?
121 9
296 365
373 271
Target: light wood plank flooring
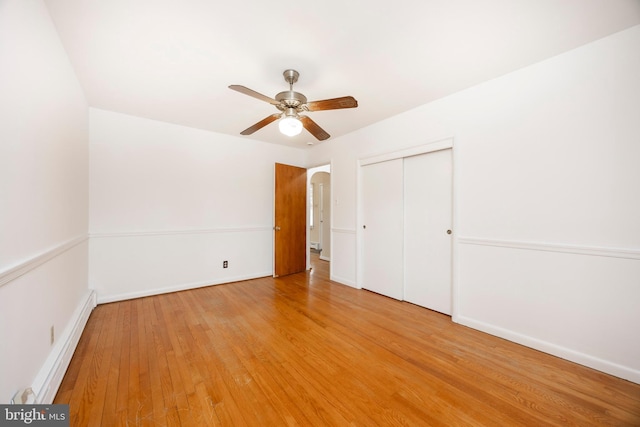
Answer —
301 350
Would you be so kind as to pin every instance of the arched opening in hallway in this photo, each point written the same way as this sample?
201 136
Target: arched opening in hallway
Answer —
319 215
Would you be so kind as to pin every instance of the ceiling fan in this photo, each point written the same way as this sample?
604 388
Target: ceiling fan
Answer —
291 104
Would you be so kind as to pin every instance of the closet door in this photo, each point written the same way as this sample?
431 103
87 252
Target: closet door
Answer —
427 238
382 228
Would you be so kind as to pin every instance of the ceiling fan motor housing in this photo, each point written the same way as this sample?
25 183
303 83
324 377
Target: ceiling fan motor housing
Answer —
290 99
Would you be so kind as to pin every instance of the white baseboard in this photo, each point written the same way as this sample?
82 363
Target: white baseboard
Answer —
601 365
46 384
324 258
176 288
343 281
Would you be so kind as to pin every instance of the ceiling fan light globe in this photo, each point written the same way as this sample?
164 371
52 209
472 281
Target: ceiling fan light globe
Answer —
290 126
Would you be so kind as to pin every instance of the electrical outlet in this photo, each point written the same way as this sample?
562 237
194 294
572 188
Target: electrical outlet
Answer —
53 335
225 264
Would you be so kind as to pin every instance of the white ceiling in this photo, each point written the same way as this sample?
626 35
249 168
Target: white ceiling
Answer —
173 60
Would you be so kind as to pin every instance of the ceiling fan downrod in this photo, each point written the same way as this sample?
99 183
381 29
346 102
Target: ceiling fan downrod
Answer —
290 98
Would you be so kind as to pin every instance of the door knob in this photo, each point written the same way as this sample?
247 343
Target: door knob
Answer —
277 228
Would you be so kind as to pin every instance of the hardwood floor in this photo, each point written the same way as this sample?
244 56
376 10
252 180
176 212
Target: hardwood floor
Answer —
301 350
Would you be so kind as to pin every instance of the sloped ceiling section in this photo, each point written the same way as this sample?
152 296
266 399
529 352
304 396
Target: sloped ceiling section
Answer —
174 60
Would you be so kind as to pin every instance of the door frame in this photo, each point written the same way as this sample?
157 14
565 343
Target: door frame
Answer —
428 147
320 214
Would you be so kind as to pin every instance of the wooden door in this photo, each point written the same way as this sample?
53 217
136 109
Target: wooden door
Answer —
290 217
382 270
427 233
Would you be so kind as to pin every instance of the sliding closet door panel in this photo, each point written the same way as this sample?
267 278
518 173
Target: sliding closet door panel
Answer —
382 228
428 216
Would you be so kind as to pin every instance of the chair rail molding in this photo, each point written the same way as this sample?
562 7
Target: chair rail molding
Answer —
553 247
26 266
143 233
344 230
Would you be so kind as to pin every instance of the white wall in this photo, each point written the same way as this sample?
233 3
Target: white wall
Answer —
169 204
43 201
547 237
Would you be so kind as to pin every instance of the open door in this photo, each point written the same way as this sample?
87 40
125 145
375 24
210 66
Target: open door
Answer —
290 241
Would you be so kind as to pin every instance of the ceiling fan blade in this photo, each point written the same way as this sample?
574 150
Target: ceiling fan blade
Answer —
314 129
253 93
333 104
262 123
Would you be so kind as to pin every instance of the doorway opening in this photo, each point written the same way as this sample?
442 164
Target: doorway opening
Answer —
319 214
